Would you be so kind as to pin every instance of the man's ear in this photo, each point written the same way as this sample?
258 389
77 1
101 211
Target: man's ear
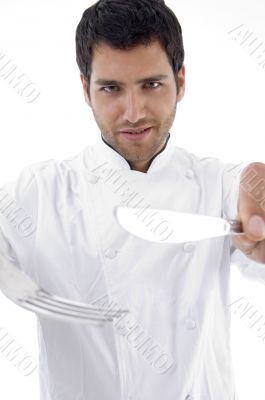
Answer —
85 85
181 83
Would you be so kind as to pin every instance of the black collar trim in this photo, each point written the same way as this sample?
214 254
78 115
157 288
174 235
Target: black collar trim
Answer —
152 159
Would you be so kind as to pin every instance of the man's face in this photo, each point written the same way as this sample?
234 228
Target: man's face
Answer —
134 95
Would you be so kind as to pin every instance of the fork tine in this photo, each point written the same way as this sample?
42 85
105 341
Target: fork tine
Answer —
38 306
67 310
76 306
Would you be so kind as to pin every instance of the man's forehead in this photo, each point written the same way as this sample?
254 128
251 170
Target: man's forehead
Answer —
142 63
136 55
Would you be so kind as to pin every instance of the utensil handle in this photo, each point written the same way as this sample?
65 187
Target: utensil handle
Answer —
236 226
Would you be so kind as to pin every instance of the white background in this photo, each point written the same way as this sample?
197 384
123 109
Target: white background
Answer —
222 115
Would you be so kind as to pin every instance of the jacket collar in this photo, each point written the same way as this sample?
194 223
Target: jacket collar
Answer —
104 152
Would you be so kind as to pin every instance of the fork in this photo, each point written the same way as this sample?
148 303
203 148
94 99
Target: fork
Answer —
23 291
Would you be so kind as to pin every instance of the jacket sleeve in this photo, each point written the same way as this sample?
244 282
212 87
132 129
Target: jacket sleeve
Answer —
18 217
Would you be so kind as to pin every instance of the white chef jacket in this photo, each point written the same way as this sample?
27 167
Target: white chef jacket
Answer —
57 224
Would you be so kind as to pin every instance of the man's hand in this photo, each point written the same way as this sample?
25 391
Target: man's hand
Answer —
251 212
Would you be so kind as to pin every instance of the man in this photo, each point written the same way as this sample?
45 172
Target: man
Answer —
174 342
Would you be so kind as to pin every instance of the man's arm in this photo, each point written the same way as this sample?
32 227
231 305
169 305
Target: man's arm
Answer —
251 211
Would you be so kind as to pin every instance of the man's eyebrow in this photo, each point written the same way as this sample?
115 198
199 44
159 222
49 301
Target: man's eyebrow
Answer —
144 80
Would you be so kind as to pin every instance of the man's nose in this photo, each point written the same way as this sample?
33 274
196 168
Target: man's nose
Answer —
134 107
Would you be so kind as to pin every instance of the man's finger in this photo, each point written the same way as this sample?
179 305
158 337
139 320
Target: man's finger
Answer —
255 228
245 245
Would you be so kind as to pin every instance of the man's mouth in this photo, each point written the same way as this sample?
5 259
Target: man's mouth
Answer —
137 132
137 135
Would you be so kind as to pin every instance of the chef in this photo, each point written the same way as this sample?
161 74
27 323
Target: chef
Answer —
58 225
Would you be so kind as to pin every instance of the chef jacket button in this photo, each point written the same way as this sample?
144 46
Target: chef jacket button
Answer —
189 174
190 324
110 253
93 178
188 247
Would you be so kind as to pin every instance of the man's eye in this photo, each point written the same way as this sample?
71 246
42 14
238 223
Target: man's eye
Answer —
108 89
154 83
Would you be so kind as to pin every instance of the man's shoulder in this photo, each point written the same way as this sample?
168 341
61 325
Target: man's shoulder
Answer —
197 162
58 166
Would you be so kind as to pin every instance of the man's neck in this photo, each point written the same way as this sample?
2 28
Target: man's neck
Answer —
141 166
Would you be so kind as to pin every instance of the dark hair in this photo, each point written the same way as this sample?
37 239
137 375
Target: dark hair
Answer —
124 24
